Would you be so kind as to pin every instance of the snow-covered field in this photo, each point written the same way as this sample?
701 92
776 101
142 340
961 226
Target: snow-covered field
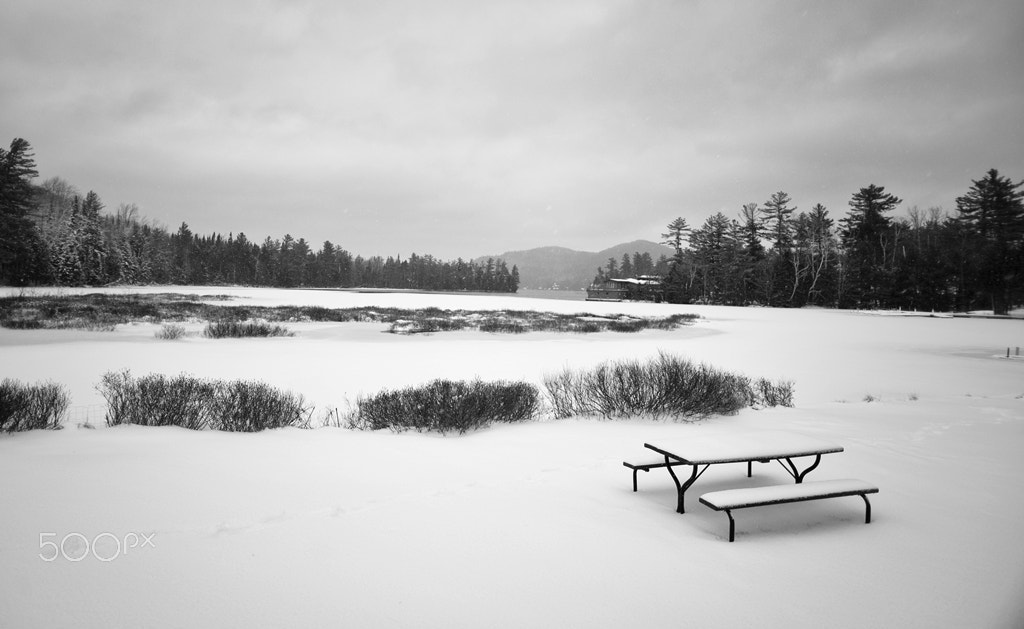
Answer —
533 525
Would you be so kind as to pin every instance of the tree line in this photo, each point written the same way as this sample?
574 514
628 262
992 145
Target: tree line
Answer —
928 260
634 265
52 234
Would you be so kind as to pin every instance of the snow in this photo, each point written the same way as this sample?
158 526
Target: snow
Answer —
726 446
730 498
532 525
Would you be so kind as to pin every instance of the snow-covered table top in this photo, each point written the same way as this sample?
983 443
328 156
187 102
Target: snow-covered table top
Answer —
745 446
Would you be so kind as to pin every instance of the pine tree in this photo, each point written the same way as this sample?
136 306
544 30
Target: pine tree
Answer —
869 248
504 283
717 250
266 262
643 264
752 228
54 200
661 267
65 258
778 222
753 265
182 249
991 216
626 266
678 281
326 271
678 231
612 268
92 249
293 260
780 278
20 246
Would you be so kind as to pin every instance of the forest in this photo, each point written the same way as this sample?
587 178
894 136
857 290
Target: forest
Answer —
768 254
927 260
51 234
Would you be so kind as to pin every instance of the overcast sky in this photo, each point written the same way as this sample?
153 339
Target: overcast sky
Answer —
468 127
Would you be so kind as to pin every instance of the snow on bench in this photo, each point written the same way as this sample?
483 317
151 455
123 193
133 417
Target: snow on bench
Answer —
647 467
744 498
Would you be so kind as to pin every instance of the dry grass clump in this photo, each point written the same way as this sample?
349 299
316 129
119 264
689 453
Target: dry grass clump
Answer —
104 312
99 312
244 329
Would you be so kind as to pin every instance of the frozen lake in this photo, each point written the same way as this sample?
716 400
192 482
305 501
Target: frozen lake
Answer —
526 525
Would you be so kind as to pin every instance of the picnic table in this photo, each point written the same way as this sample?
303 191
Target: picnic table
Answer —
701 452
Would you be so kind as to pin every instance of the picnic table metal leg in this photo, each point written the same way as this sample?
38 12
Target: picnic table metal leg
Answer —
867 517
682 487
797 475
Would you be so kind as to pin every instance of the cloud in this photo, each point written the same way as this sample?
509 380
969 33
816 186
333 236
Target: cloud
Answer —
462 128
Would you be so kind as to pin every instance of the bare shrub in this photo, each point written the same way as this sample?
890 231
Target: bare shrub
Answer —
769 393
665 386
249 406
197 403
445 406
333 418
244 329
157 400
32 406
170 332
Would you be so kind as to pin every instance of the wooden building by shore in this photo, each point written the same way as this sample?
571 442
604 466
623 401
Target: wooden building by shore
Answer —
642 288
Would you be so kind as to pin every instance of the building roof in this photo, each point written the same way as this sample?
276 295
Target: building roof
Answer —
643 280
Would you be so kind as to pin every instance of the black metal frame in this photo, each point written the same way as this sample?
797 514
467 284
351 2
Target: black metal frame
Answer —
681 487
797 475
647 467
732 522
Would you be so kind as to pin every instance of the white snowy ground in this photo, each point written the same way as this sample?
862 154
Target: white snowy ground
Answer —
533 525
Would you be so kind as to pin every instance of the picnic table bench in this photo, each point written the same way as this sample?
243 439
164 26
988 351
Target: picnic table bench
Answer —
747 497
647 467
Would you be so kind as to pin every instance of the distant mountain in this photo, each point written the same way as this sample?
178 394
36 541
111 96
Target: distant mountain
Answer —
568 269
